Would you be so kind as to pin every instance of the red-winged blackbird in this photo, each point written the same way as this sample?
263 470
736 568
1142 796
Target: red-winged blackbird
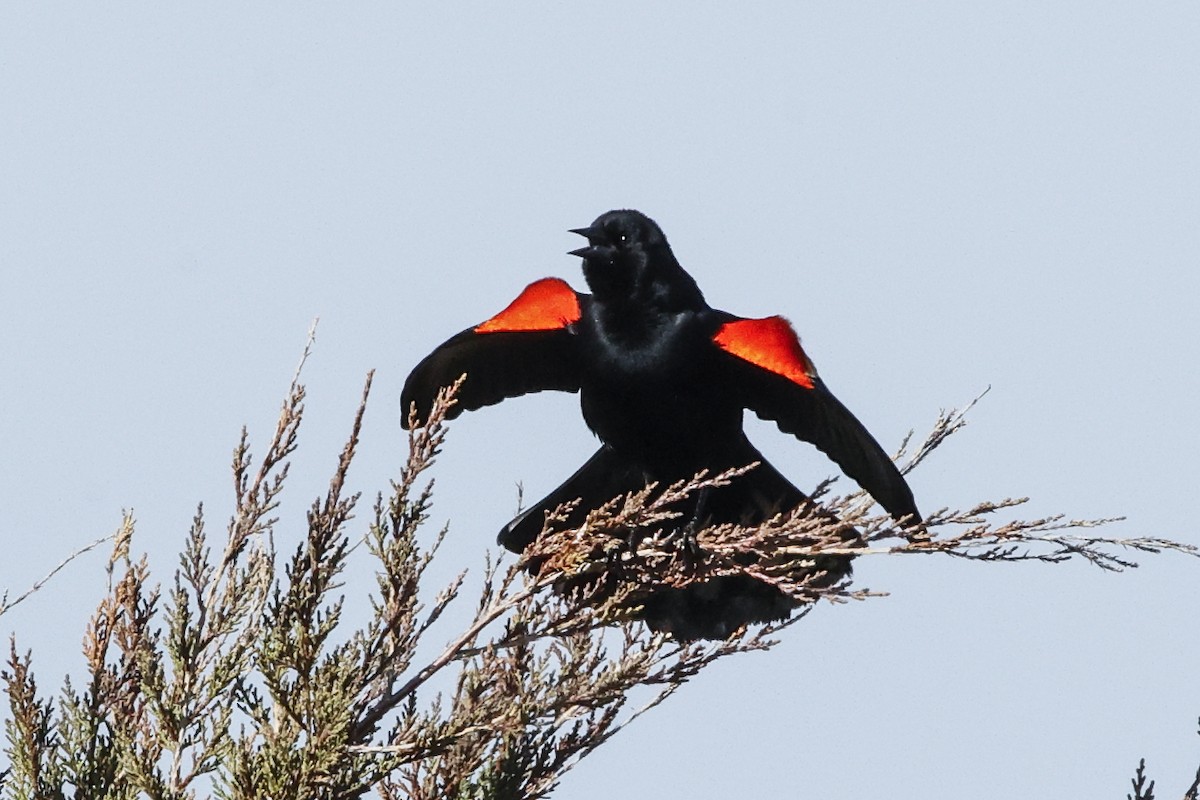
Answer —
663 380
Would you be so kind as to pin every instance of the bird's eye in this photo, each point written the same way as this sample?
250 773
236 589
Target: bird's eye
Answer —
617 232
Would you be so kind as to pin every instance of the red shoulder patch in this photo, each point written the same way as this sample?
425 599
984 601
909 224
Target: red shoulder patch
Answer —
545 305
769 343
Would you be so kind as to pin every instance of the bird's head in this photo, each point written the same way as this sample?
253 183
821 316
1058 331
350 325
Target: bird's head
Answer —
628 257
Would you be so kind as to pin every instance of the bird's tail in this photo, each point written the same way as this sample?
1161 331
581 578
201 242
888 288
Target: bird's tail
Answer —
703 609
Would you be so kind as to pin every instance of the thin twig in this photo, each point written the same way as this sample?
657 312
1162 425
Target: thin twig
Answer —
6 605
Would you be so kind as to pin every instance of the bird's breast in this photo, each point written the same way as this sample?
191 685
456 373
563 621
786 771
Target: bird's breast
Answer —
652 397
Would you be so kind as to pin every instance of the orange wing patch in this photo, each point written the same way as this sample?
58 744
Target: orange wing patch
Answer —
545 305
769 343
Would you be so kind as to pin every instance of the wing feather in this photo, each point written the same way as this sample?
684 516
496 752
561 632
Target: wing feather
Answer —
531 346
769 370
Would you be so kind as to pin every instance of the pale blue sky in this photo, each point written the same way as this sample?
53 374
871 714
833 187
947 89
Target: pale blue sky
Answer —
942 196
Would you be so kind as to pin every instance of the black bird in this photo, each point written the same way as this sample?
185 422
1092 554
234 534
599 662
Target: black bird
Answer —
663 380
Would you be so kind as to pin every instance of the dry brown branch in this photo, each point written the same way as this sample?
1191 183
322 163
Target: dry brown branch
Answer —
947 424
629 545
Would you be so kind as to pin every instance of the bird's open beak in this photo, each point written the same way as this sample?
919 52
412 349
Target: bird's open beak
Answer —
592 234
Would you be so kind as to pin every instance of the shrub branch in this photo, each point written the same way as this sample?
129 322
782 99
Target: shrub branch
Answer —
248 680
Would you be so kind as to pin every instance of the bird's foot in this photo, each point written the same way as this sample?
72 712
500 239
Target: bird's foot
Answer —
686 539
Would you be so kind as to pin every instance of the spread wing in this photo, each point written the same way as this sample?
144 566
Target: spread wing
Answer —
768 369
528 347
